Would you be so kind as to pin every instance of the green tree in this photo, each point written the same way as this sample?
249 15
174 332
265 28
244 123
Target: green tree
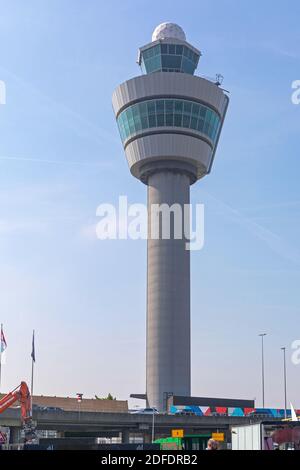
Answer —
109 397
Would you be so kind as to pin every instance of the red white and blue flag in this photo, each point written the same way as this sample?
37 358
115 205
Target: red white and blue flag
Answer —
3 344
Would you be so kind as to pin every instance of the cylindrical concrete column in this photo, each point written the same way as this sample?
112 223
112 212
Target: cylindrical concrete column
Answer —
168 294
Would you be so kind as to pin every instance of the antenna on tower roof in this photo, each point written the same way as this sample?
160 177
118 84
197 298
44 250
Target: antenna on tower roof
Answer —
219 79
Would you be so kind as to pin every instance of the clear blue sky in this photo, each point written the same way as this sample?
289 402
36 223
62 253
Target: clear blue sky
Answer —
61 156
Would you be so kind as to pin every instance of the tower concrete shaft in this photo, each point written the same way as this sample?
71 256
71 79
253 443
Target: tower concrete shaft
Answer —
168 295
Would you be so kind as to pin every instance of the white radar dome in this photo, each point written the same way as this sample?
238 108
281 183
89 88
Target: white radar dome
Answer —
168 30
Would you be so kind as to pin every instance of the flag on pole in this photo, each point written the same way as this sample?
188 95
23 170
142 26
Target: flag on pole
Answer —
79 397
33 348
3 345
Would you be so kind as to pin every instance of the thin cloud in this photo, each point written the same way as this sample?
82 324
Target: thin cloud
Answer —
82 124
60 162
271 239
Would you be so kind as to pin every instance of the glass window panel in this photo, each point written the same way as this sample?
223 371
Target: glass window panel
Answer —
164 48
208 115
195 110
151 52
203 111
156 49
178 120
185 121
209 131
144 121
160 106
135 110
200 125
205 128
178 106
179 49
169 106
171 61
213 133
153 64
160 120
194 122
137 123
143 108
157 62
171 49
152 120
169 120
217 130
128 113
187 66
212 119
121 129
151 107
187 107
131 125
126 128
185 51
145 55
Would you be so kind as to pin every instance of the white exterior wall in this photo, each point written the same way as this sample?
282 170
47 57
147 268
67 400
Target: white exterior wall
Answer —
246 437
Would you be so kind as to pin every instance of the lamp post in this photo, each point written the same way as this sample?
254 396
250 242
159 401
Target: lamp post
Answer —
262 335
153 424
284 378
79 400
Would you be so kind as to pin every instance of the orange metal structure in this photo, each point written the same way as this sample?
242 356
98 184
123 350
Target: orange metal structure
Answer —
22 395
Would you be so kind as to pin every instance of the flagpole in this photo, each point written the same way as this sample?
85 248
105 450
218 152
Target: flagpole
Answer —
32 370
1 354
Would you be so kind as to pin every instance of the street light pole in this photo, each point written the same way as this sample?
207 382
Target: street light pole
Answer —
262 335
284 376
153 425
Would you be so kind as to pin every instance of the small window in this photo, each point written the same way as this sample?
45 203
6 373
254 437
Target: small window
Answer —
185 121
150 52
169 120
178 106
156 49
160 120
160 106
194 122
135 110
164 48
143 108
151 107
200 125
169 106
187 107
178 120
152 121
195 110
172 49
203 111
144 120
131 125
137 123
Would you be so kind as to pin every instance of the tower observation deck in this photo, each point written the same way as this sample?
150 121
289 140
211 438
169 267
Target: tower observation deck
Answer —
170 122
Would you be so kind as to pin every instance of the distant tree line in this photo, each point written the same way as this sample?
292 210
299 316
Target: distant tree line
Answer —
109 397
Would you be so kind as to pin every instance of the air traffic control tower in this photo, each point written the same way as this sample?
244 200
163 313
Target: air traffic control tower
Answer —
170 122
